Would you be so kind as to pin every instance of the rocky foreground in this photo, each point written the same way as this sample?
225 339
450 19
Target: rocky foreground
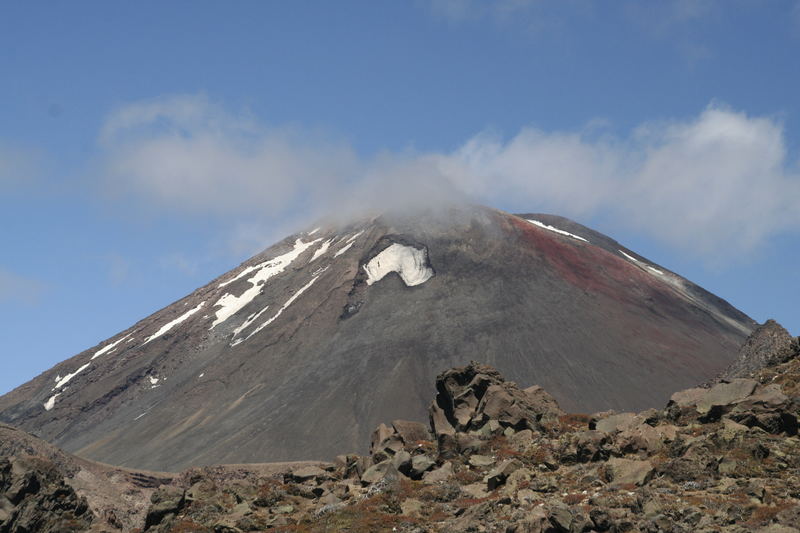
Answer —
494 457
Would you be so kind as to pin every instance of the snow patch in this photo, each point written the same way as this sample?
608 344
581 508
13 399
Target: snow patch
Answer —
629 257
652 269
246 324
322 250
110 348
51 402
289 302
140 416
354 237
409 262
343 250
556 230
313 231
230 304
63 381
166 327
201 375
348 244
153 380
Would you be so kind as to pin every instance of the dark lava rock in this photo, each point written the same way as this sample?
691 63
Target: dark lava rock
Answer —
35 498
770 344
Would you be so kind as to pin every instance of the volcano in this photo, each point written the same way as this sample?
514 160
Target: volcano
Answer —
302 350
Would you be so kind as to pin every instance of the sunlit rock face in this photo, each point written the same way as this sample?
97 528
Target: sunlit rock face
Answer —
302 350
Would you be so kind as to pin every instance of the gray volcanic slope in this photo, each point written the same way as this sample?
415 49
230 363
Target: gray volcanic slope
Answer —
302 350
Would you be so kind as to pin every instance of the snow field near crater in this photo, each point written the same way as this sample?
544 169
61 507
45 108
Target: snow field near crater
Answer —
409 262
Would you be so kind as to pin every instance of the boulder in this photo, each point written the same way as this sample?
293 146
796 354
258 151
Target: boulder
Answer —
477 398
726 394
481 460
379 472
402 462
411 432
617 422
629 471
419 465
543 402
308 473
443 473
165 501
498 476
385 442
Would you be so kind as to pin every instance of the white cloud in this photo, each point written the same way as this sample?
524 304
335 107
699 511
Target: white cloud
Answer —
185 152
718 184
19 289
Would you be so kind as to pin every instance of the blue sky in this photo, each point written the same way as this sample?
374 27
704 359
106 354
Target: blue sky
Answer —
148 147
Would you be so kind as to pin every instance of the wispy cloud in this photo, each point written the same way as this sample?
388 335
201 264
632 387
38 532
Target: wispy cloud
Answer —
717 185
19 289
187 152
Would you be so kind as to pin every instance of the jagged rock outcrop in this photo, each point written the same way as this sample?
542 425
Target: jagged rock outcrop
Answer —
35 498
770 344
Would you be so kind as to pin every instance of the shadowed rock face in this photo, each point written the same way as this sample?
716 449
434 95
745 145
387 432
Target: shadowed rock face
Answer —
301 351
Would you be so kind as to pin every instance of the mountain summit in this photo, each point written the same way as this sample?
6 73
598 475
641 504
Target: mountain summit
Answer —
302 350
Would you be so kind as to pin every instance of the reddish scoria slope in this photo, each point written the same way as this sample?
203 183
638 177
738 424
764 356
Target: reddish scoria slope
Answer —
301 351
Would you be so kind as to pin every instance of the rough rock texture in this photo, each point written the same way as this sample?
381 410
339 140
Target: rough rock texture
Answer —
770 344
719 459
294 355
34 497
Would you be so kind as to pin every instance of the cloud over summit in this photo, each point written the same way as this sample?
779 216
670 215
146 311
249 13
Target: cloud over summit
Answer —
717 185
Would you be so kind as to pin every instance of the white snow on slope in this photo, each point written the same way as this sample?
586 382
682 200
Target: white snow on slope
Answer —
556 230
343 250
354 237
110 348
629 257
166 327
321 251
650 268
407 261
289 302
230 304
51 402
153 380
241 274
348 244
246 324
313 231
63 381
